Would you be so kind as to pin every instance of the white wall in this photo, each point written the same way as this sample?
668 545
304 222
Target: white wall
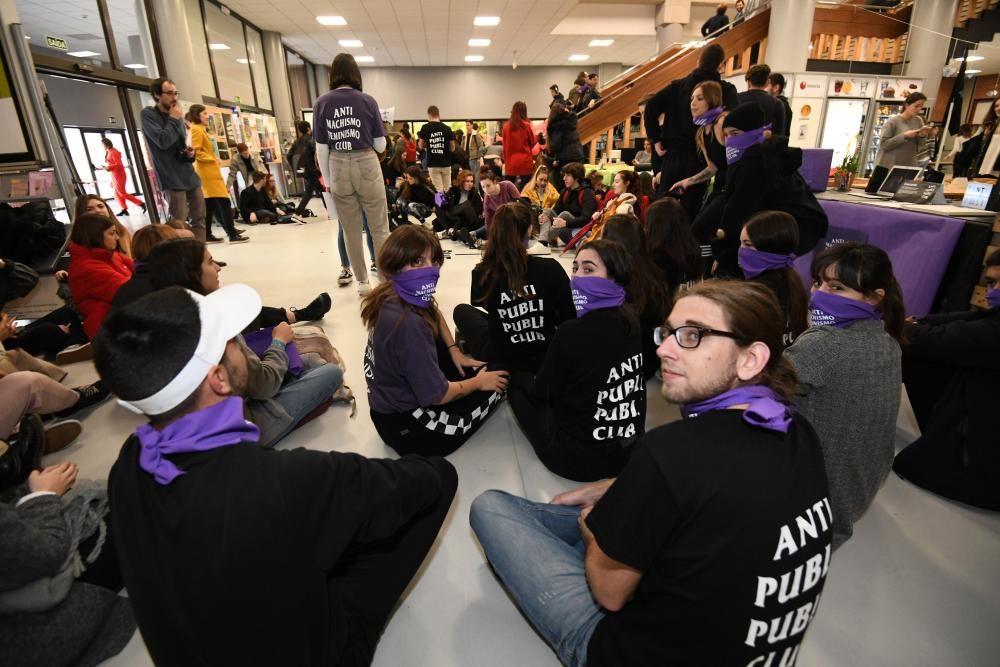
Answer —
475 93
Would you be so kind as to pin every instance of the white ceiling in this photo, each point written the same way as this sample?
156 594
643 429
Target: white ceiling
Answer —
436 32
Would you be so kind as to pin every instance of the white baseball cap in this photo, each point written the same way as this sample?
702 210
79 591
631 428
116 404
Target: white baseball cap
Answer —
224 313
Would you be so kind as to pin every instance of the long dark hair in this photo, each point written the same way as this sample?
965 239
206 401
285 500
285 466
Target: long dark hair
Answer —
648 288
865 268
88 230
615 257
405 244
505 261
778 232
193 114
418 173
177 262
668 233
345 72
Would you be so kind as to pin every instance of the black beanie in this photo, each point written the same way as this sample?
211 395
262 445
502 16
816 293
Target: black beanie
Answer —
745 117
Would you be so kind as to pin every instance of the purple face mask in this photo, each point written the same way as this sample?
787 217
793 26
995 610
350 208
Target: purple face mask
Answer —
738 145
591 293
708 117
833 310
993 297
765 409
755 262
417 286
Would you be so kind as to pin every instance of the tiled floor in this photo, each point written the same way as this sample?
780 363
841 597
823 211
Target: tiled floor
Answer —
919 584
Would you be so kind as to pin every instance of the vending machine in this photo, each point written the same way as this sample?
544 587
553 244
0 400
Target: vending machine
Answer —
848 112
888 103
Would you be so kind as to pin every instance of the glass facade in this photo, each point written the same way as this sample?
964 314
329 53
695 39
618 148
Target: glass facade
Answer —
228 51
255 52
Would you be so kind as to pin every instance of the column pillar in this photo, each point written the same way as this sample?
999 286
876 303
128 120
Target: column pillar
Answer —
671 17
788 34
277 78
667 34
178 51
927 53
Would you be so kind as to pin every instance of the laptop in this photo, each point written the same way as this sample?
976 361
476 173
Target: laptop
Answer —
892 182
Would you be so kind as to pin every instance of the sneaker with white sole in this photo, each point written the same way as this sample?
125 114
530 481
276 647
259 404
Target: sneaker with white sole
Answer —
364 288
346 277
60 435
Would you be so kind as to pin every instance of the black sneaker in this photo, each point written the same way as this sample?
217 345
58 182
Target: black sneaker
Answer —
316 309
463 235
238 239
23 452
212 239
90 395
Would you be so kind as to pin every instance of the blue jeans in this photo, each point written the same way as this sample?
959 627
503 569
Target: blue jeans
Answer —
537 551
301 396
342 247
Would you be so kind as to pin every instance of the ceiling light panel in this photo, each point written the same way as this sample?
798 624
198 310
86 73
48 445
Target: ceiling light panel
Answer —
601 42
331 20
579 57
479 42
473 59
486 20
351 43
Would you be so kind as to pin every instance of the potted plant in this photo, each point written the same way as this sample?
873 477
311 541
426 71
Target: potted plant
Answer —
844 175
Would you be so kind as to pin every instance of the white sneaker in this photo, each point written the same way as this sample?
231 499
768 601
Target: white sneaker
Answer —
537 248
346 277
364 288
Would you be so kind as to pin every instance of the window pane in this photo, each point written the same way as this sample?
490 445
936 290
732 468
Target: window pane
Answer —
298 81
79 24
192 10
132 37
229 55
255 51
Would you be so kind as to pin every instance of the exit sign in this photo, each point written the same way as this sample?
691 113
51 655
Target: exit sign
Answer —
56 43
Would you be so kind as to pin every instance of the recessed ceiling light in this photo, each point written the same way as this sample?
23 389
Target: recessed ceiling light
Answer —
973 71
601 42
579 57
971 59
351 43
218 46
364 59
486 20
331 20
83 54
473 59
135 66
242 61
479 42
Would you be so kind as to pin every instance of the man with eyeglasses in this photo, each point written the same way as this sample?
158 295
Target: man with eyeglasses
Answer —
713 544
166 136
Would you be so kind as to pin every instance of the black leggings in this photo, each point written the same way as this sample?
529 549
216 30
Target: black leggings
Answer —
218 209
44 338
473 326
313 189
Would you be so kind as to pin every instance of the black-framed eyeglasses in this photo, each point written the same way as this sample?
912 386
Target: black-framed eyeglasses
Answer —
688 336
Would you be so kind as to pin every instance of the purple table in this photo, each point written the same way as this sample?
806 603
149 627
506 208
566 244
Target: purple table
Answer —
918 244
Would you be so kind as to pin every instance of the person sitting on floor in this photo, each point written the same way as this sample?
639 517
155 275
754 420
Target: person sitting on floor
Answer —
525 297
236 554
671 244
496 193
97 268
256 206
767 245
587 404
619 200
648 292
575 208
94 205
416 196
463 207
678 561
951 369
596 180
426 396
541 194
849 374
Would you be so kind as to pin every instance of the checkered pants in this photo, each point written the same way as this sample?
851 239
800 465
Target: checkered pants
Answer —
436 430
441 421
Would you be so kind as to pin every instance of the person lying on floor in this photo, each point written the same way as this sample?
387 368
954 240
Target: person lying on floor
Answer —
234 554
426 395
686 557
525 297
586 406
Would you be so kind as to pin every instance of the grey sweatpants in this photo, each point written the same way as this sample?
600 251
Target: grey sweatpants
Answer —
357 185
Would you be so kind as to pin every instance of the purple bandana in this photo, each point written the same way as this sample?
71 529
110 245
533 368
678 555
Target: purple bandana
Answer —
416 286
737 146
218 426
708 117
765 409
993 297
833 310
592 293
755 262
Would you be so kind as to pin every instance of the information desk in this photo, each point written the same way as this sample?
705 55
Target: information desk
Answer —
919 244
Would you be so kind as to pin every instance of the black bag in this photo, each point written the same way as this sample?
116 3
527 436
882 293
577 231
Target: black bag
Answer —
30 233
16 280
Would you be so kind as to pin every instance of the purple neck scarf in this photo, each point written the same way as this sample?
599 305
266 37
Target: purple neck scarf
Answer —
218 426
833 310
765 409
417 286
592 293
738 145
993 297
708 117
755 262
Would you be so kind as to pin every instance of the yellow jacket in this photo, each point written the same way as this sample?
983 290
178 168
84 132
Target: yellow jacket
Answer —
548 200
206 164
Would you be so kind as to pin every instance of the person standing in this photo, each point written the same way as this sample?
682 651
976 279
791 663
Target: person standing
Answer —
115 167
474 146
217 204
172 157
715 23
349 132
562 141
245 163
518 141
438 142
904 137
557 97
776 86
304 149
758 91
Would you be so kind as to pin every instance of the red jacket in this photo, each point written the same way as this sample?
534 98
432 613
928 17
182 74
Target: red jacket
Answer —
517 145
95 274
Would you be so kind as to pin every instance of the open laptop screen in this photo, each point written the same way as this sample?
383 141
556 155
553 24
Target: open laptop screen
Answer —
896 177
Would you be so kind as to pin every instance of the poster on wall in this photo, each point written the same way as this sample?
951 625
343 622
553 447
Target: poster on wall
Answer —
898 89
14 144
841 86
808 102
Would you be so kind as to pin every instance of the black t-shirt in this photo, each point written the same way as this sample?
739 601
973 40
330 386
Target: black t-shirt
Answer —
437 137
774 110
521 328
592 382
730 526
